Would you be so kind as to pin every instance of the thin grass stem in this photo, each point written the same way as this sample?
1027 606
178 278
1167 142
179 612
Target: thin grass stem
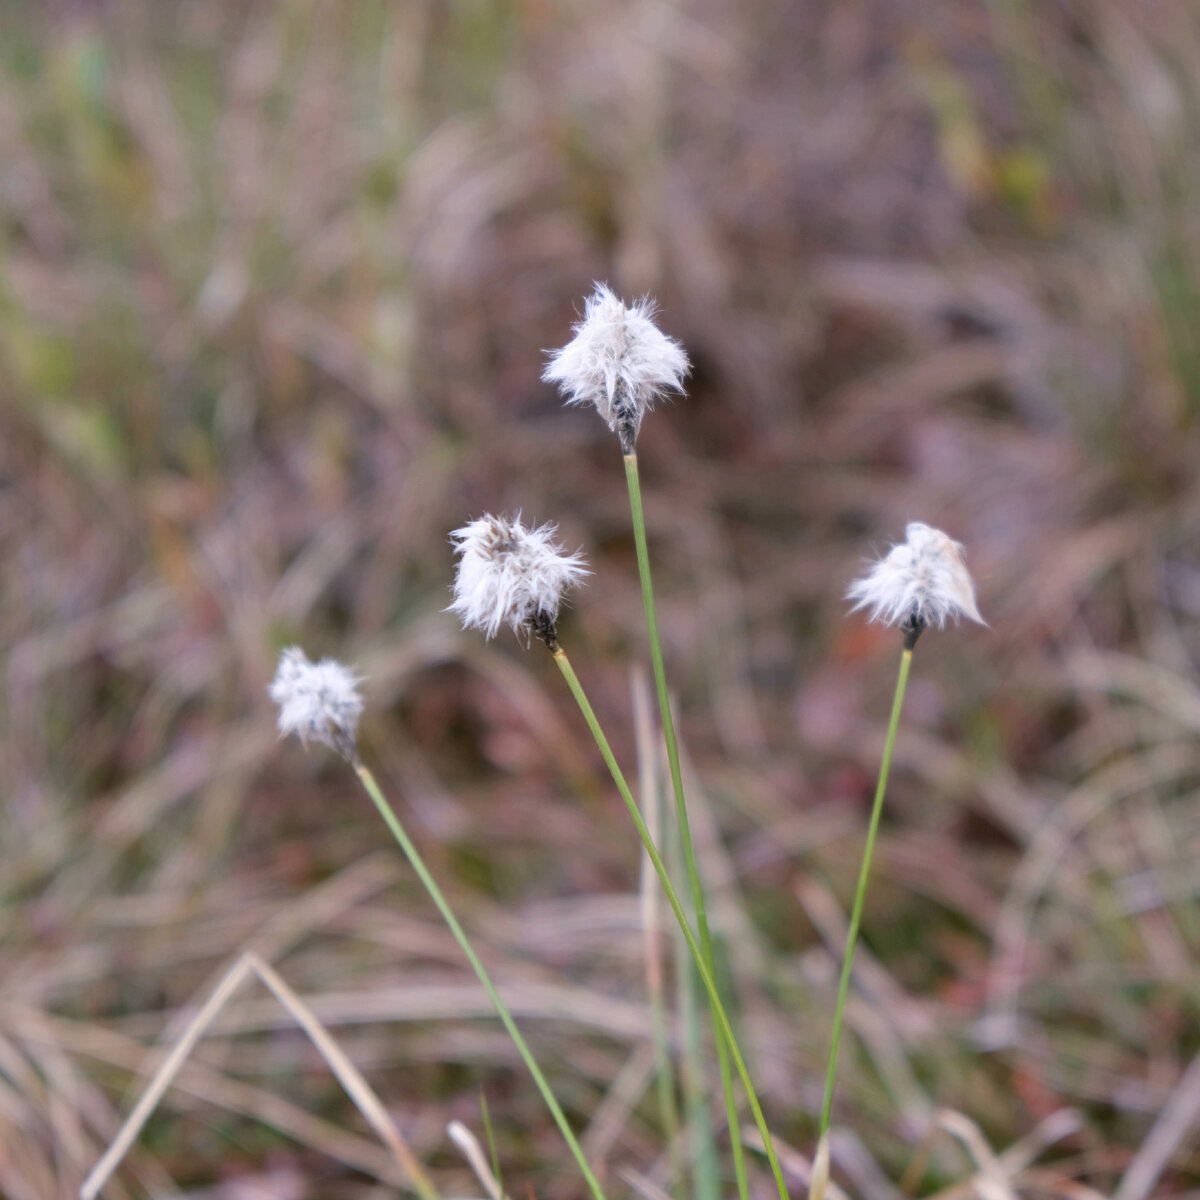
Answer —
652 800
860 895
702 1142
435 892
720 1019
685 833
491 1141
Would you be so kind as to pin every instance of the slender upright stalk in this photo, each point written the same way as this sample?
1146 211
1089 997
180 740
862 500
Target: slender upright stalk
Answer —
860 895
685 832
651 796
692 1006
721 1021
668 1109
435 892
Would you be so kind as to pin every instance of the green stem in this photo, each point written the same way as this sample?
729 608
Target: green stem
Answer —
860 895
724 1029
435 892
685 832
668 1111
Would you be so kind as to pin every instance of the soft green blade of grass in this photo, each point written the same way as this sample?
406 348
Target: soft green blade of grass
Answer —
685 833
491 1140
714 999
435 892
859 898
706 1165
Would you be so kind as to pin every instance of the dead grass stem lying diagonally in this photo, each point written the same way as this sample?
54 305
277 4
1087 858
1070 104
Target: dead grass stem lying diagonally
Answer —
1177 1118
250 965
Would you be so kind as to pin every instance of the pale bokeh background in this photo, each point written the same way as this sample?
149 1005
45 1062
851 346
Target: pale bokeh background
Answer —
275 286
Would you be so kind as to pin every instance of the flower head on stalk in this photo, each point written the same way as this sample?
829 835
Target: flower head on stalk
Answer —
618 360
920 582
317 701
510 575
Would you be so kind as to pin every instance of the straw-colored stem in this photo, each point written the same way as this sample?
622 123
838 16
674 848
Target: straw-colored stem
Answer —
685 833
724 1029
651 941
860 895
435 892
668 1110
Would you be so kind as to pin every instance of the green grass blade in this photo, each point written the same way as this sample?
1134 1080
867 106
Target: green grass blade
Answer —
724 1029
685 832
860 894
435 892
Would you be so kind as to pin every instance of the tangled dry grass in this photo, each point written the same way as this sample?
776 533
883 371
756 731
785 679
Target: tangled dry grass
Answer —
275 283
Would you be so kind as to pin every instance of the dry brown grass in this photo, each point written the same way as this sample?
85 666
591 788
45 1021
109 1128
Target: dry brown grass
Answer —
274 288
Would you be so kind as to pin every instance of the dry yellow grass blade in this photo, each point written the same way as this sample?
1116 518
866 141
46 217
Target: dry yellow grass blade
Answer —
1169 1130
992 1181
613 1113
209 1087
347 1074
472 1151
642 1186
795 1165
650 908
356 1087
1009 1173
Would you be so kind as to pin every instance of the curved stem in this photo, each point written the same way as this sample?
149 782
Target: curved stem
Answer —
435 892
724 1029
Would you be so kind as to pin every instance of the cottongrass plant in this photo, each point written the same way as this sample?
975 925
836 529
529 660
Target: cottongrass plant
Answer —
317 702
620 361
921 582
510 575
320 702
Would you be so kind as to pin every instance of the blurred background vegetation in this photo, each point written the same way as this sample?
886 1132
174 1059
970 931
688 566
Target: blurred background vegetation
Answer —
275 285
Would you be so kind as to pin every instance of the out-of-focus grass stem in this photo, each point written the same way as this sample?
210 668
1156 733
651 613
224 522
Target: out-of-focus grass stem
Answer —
651 796
720 1019
435 892
685 833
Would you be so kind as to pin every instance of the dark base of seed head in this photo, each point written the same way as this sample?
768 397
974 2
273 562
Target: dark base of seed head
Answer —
345 746
912 629
625 420
543 627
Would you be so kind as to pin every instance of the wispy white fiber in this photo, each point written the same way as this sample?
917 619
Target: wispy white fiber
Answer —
317 701
619 360
510 575
923 580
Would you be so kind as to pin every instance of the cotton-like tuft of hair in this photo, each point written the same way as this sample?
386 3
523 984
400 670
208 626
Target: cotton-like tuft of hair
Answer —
317 701
922 580
620 361
510 575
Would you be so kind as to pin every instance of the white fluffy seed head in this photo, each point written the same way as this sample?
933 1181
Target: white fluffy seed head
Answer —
922 580
510 575
317 701
620 361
